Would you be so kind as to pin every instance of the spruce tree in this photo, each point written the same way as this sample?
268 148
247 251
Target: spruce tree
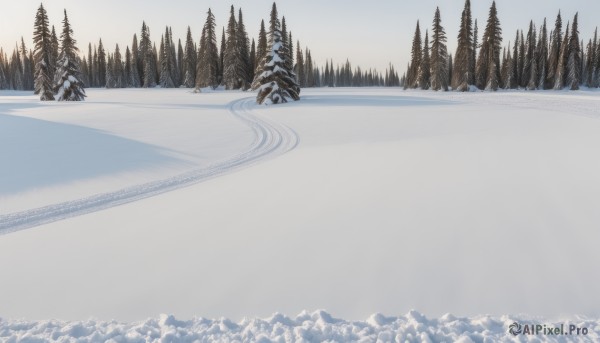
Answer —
118 70
473 61
300 78
180 64
554 53
529 76
595 61
101 65
521 62
542 55
488 64
425 68
244 51
90 65
208 59
464 51
42 41
252 60
189 61
127 70
147 58
68 86
574 59
514 84
54 52
137 62
415 62
261 48
509 79
167 72
439 55
561 69
276 84
234 68
222 57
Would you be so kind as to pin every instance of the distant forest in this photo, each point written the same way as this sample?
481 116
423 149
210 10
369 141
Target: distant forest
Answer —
539 57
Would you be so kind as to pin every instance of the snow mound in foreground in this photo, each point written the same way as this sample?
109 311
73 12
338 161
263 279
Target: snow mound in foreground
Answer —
306 327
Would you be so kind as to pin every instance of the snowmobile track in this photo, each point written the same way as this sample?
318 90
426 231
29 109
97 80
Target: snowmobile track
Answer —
271 140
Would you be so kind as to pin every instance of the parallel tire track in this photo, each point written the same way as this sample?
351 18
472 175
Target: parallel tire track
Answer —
271 140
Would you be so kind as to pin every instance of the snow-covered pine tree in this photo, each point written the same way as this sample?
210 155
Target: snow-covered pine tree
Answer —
415 62
574 59
68 86
261 47
101 65
42 41
488 65
464 53
208 59
276 84
243 45
554 53
189 61
439 55
425 68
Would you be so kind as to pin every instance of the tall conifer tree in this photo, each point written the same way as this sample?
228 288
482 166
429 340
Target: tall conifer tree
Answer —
43 49
68 85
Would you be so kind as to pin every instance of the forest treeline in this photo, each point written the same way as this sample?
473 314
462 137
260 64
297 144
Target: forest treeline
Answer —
540 57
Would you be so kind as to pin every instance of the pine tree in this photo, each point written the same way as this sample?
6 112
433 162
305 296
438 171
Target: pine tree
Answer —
426 67
208 59
244 51
252 60
90 65
514 84
68 86
561 69
127 71
300 78
473 64
167 72
464 51
554 53
509 78
118 70
189 61
275 84
542 55
415 62
27 67
101 65
450 68
439 55
180 64
137 62
529 75
488 64
261 48
42 40
234 68
222 57
574 59
54 52
521 62
110 77
147 58
595 61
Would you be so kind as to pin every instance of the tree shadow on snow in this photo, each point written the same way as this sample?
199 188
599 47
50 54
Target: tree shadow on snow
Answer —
36 153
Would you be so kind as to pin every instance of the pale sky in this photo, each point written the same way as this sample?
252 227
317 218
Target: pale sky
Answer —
371 33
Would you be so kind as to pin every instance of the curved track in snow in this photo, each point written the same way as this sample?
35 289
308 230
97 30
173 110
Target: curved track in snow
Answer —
271 140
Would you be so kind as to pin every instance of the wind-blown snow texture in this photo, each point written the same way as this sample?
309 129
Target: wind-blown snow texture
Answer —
306 327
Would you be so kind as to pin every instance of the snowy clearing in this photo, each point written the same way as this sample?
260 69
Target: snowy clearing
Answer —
443 202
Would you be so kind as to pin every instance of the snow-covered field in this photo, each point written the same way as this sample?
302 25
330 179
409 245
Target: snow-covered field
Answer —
358 201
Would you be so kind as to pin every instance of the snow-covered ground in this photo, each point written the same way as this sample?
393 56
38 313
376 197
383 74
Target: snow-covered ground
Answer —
443 202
